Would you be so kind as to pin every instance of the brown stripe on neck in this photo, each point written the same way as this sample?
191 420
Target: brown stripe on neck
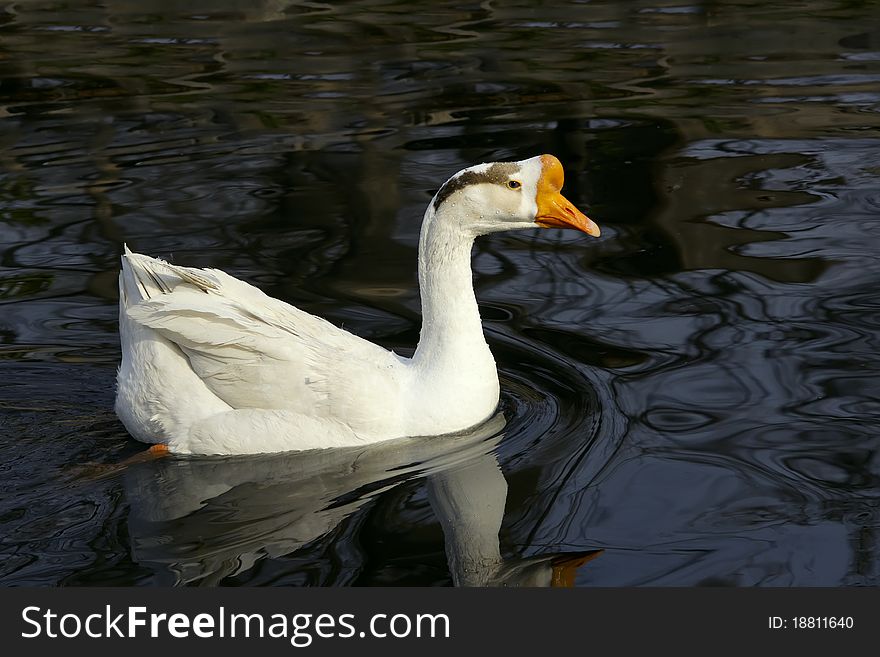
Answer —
497 174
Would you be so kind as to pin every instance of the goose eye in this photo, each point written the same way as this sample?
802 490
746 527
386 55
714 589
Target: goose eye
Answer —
514 184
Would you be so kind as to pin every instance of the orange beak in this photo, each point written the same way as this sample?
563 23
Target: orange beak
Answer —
554 210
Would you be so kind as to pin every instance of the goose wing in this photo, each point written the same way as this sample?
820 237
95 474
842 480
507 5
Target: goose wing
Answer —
254 351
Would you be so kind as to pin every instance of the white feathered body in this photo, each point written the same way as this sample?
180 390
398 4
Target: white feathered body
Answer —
212 365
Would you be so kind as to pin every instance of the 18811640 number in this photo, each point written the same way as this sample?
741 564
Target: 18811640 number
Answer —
821 622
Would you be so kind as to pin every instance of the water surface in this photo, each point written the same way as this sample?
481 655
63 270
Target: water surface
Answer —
695 394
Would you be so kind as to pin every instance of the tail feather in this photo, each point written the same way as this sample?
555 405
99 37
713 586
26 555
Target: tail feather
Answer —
155 375
143 277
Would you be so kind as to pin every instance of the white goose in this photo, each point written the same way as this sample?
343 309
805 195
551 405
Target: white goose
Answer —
212 365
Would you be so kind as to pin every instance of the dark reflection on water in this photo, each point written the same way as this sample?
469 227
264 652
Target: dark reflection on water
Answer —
696 393
298 518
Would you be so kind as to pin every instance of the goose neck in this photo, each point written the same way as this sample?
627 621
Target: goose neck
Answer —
450 317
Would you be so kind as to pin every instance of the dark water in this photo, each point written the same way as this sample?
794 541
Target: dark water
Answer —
695 393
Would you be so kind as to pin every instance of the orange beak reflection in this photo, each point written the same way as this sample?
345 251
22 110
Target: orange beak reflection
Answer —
565 567
554 210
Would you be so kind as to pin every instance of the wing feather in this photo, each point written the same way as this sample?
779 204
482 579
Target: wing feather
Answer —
254 351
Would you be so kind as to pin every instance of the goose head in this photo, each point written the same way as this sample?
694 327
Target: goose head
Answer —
499 196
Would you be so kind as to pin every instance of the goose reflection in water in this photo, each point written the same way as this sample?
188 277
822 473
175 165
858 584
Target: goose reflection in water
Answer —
198 521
